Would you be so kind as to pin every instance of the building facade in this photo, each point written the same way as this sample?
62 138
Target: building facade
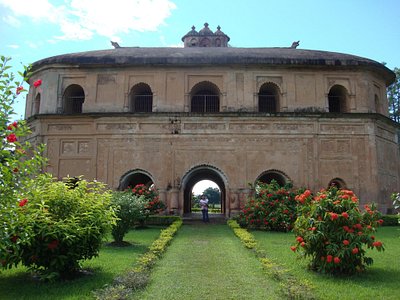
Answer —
175 116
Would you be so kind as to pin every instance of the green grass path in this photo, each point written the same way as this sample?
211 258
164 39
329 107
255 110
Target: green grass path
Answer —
208 262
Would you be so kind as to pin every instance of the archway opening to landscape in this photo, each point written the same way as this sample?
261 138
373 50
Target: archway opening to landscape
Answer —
267 176
212 192
133 178
195 177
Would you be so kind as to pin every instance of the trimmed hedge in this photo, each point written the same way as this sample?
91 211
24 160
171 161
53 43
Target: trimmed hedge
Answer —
391 220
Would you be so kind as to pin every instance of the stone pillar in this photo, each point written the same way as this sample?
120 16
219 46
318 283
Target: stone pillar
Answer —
174 200
162 195
233 203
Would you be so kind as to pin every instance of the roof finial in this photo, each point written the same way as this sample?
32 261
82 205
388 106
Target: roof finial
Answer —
205 24
219 27
193 28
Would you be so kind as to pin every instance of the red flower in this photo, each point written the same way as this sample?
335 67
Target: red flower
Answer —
354 199
37 83
14 238
372 237
346 242
329 258
346 228
299 239
345 215
19 90
53 244
355 250
307 193
377 244
336 260
334 216
11 138
303 244
15 170
23 202
380 221
293 248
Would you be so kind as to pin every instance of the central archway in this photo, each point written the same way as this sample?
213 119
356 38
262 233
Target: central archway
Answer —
196 174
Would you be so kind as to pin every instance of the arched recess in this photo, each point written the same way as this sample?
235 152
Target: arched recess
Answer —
134 177
73 99
141 98
198 173
204 97
338 99
337 182
269 175
268 98
36 105
377 104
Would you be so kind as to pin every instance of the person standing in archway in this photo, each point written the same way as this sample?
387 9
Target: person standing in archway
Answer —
204 208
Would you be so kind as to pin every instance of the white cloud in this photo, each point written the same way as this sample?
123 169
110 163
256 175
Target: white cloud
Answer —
81 19
13 46
12 21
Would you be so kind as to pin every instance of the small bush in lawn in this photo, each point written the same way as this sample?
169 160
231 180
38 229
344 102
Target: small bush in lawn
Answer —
333 231
133 280
272 208
130 209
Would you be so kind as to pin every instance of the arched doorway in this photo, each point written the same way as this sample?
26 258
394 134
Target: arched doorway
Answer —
280 177
135 177
203 172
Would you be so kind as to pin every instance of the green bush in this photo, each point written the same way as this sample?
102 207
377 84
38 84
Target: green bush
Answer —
272 208
332 230
55 227
161 220
391 220
130 209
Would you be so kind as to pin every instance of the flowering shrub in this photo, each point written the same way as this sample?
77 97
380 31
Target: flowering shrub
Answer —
332 230
396 202
154 204
272 208
130 209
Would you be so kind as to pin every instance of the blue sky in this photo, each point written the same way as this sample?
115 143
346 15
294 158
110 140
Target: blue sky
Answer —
32 30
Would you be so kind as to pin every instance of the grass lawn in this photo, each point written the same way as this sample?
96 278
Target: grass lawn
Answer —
17 284
380 281
208 262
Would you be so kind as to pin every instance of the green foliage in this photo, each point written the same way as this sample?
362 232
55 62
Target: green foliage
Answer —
56 227
396 204
245 237
332 231
138 277
391 220
130 209
213 195
272 208
161 220
393 95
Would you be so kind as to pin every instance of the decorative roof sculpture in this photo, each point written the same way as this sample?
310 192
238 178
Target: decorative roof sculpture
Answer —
205 38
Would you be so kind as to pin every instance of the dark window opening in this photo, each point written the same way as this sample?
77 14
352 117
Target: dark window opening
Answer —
269 176
268 99
337 99
141 98
204 98
74 96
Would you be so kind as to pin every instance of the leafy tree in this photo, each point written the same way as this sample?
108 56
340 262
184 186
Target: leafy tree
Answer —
393 94
213 195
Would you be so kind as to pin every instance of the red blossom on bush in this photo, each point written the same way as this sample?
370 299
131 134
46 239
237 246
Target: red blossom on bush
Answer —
329 258
19 90
377 244
11 138
346 242
333 215
345 215
37 83
355 250
23 202
336 260
53 244
293 248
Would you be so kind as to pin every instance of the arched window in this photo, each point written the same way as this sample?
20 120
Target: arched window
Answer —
36 105
205 97
337 99
268 98
73 99
276 175
338 183
141 98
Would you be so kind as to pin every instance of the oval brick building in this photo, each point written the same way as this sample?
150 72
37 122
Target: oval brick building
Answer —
175 116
